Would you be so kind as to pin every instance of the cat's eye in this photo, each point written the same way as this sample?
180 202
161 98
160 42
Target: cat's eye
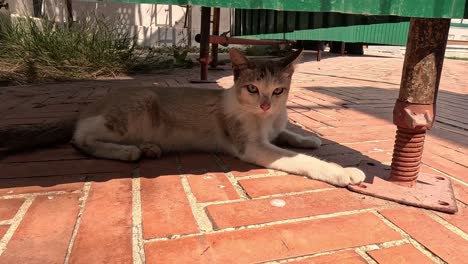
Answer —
252 88
278 91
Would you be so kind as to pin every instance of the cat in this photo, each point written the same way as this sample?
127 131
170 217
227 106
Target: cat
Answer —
247 121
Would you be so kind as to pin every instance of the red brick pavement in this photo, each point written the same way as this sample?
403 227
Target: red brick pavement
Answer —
58 206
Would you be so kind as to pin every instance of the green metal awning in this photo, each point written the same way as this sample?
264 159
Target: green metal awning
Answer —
386 34
255 22
403 8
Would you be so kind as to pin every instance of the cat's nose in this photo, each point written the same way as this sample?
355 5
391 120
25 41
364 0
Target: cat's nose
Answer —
265 106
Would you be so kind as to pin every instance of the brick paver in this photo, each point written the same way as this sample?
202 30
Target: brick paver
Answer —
266 210
348 257
105 231
280 184
3 230
433 235
44 233
212 187
59 206
275 241
404 254
8 208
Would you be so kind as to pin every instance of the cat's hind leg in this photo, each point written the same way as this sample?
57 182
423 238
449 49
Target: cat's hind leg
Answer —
94 138
107 150
292 139
150 150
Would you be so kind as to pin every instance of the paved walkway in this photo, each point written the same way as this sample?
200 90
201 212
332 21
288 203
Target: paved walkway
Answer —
58 206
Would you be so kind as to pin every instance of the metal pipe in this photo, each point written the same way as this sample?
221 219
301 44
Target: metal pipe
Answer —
414 110
342 48
319 50
214 47
204 42
225 41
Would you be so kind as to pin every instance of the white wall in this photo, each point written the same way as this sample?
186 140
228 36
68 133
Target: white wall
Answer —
153 23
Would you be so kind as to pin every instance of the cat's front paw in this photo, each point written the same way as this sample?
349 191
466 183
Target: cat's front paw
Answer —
348 176
356 175
311 142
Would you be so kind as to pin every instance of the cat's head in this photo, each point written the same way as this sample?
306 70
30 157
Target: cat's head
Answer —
262 87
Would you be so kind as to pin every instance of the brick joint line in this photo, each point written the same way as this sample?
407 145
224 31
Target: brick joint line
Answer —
237 187
448 225
365 256
83 199
204 224
137 225
28 195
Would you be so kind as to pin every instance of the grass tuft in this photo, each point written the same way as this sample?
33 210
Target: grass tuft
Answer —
42 50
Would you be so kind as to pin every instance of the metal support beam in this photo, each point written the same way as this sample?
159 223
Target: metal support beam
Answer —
413 115
319 50
204 45
226 41
214 47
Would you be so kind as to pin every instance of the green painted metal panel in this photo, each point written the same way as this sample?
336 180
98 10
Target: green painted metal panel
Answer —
248 25
406 8
288 21
255 24
270 21
387 34
291 21
280 22
262 20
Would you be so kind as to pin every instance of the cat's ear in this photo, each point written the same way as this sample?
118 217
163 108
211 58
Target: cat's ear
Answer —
290 61
237 58
239 62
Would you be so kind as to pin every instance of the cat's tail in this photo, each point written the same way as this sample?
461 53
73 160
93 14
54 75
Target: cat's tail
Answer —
25 137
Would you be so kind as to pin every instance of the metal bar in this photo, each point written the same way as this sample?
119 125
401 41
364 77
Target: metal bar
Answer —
189 26
414 110
458 42
342 48
222 40
204 42
319 50
214 47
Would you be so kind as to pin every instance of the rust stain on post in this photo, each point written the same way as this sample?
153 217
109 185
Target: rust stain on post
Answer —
424 58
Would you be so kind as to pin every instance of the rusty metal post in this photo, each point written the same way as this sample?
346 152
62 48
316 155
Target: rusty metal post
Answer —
204 42
342 48
414 110
214 47
319 50
413 115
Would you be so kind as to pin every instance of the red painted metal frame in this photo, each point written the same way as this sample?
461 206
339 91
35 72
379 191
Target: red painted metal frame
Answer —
204 46
225 41
214 47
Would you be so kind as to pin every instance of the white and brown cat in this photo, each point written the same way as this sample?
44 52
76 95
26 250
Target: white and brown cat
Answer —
243 121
